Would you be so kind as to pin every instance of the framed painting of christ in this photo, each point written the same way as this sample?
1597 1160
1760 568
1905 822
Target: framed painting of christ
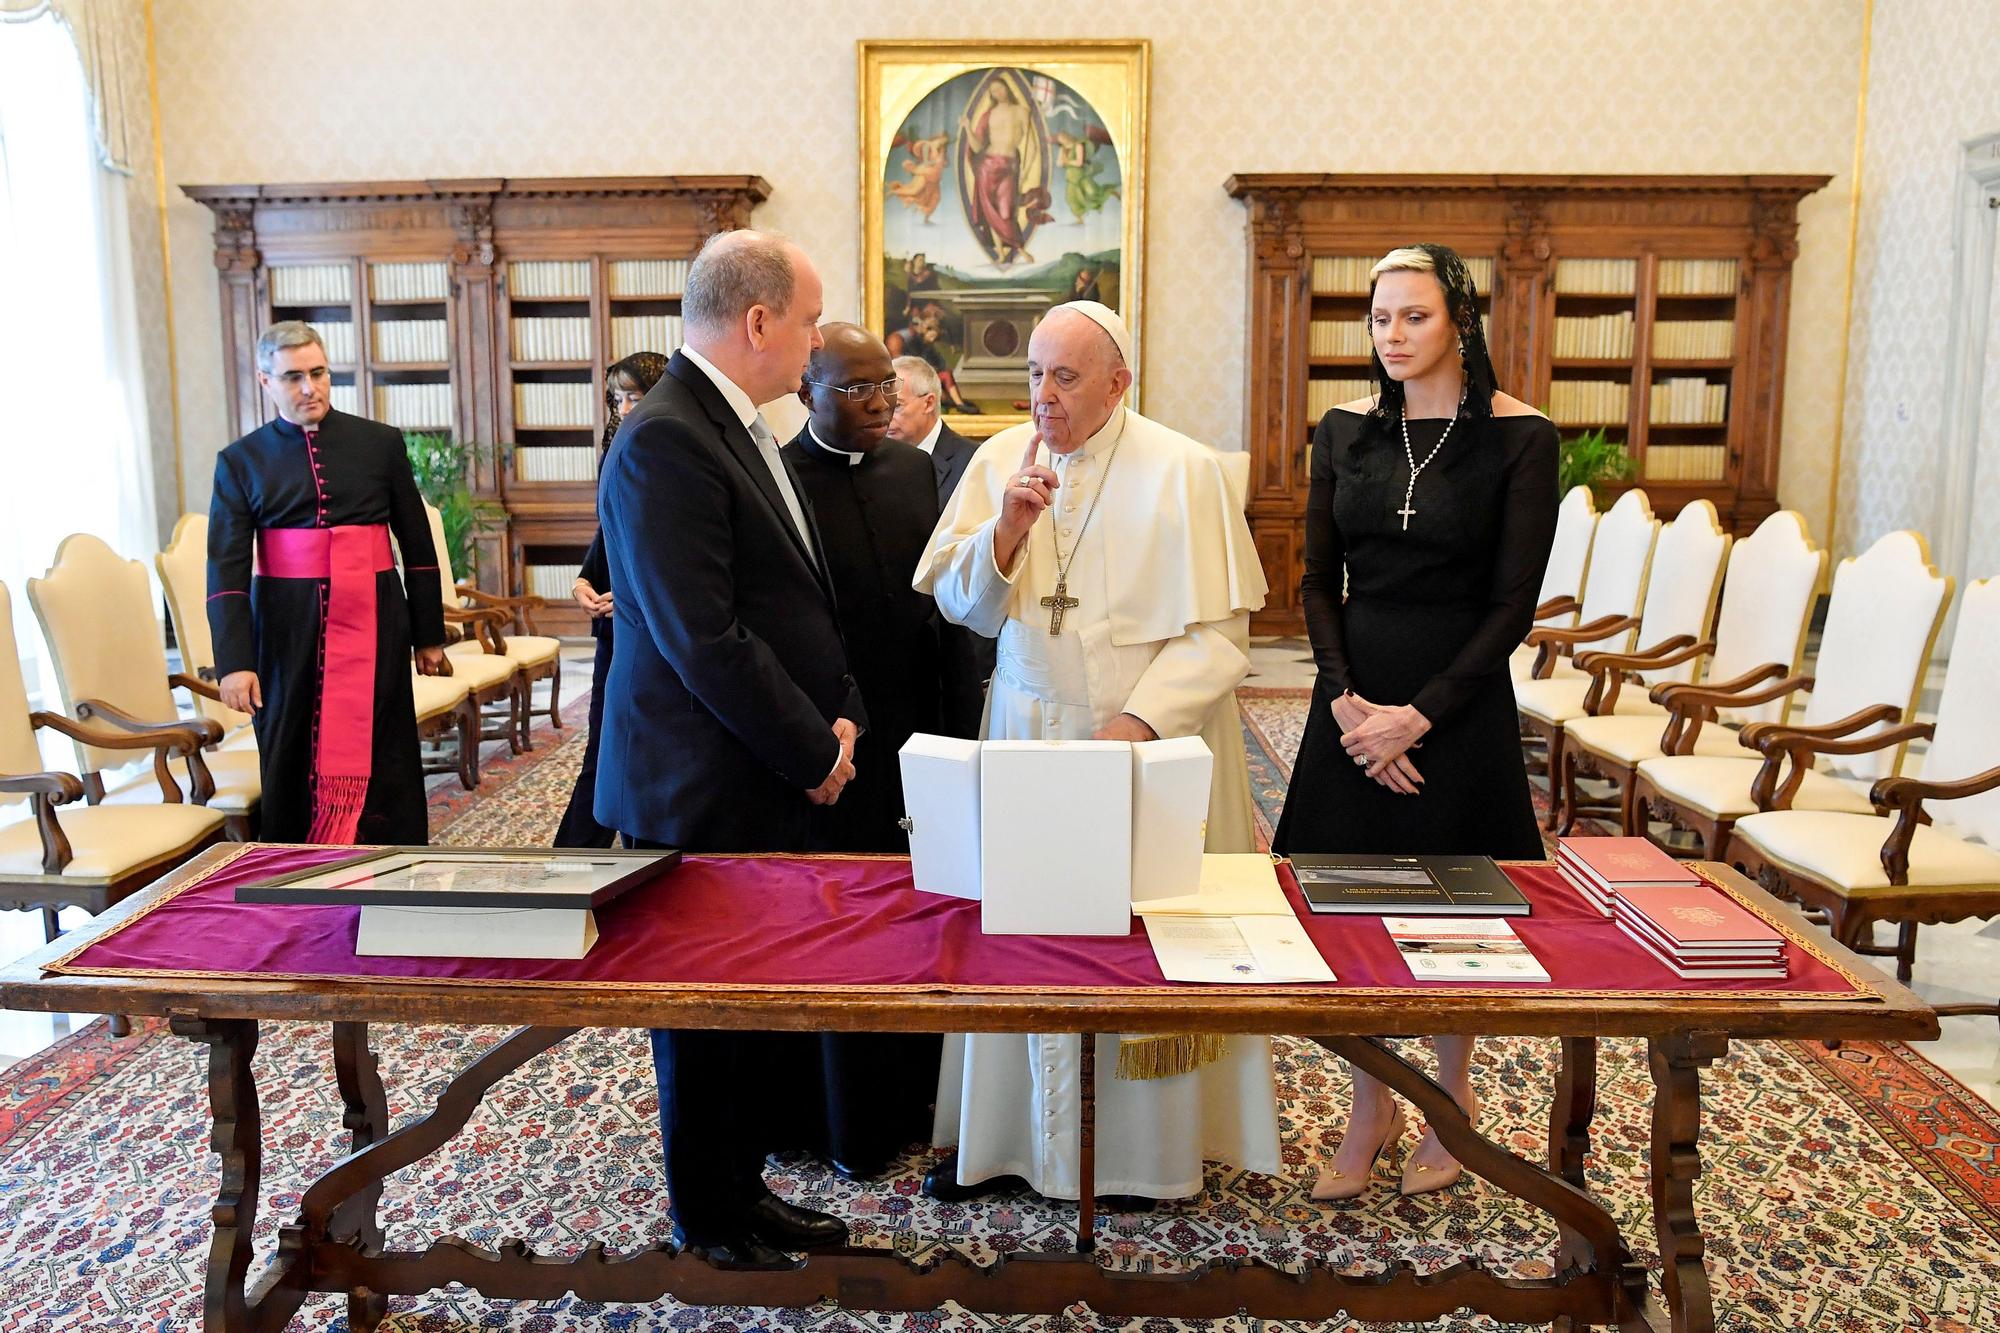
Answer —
998 180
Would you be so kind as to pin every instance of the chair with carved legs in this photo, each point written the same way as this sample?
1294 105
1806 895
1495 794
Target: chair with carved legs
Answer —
1881 627
1563 580
88 857
1931 852
1621 561
1673 624
1767 603
97 615
535 656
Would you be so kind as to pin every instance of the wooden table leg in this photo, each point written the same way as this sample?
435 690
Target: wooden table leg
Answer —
1570 1114
366 1120
238 1137
1677 1061
1086 1163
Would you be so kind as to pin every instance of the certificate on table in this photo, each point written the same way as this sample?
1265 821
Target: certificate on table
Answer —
1244 950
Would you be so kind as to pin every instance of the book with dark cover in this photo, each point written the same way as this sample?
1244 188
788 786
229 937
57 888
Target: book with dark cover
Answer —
1369 885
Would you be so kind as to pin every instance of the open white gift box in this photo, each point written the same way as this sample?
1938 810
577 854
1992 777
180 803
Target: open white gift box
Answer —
1056 837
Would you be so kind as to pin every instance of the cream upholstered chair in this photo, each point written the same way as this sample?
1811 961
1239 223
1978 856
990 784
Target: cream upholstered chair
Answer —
492 679
1621 559
534 656
96 613
1677 615
1933 853
183 571
1767 602
1563 580
1881 627
91 856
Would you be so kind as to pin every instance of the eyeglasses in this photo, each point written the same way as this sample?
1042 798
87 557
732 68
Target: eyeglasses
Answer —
861 393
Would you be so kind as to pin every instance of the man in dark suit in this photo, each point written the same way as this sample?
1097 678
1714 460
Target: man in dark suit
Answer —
919 421
729 711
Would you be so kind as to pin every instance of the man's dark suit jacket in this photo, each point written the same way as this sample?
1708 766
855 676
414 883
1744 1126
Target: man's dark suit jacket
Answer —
970 656
948 459
729 671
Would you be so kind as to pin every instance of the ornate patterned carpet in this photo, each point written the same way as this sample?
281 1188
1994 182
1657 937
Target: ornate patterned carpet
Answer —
1851 1190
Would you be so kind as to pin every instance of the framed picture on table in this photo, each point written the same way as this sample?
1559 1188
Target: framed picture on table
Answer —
998 179
462 878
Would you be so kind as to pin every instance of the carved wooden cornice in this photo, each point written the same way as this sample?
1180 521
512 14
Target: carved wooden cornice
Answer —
754 189
1276 183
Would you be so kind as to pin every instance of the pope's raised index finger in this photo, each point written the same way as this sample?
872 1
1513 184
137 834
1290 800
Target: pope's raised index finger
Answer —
1034 446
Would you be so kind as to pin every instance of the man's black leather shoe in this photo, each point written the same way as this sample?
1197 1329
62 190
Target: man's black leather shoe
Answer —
776 1222
745 1254
859 1171
941 1183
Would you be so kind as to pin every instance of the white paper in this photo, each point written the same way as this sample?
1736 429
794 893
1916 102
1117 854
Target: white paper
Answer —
1283 950
1462 948
1234 950
1232 884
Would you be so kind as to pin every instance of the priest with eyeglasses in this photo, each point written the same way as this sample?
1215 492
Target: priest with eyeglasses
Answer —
1106 553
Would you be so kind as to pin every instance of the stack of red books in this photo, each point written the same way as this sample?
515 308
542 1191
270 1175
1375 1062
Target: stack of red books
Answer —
1689 926
1600 868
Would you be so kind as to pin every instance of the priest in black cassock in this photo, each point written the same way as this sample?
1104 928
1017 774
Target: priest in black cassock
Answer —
875 501
313 626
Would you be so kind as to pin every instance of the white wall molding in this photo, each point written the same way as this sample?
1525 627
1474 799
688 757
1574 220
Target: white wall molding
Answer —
1974 220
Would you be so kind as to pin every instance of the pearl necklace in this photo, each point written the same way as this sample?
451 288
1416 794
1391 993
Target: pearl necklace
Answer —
1409 491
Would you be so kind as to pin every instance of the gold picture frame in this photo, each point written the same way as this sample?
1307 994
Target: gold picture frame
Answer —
978 217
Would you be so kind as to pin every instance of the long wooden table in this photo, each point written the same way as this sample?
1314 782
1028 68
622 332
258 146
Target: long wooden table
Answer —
336 1243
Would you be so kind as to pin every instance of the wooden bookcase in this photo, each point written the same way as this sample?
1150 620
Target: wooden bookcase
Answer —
1597 291
487 308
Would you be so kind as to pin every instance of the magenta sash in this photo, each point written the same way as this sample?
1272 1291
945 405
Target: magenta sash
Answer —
348 558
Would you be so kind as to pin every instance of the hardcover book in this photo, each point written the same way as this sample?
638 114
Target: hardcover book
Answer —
1462 948
1698 916
1370 885
1617 862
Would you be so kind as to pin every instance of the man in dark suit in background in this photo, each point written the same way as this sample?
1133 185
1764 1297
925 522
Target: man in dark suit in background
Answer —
919 421
729 711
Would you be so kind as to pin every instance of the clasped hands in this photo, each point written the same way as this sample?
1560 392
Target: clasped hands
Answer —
843 769
590 599
1378 738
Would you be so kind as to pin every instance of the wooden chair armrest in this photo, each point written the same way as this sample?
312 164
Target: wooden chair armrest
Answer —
1672 652
60 787
1679 697
1906 796
167 740
1557 606
209 730
1760 736
1797 748
1757 675
483 625
521 609
1596 629
195 685
1609 671
45 791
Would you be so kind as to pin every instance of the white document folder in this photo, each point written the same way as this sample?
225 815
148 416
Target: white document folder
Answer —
1056 837
941 813
1170 781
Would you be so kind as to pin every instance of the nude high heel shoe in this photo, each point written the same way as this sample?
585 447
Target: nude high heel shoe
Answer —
1335 1186
1421 1178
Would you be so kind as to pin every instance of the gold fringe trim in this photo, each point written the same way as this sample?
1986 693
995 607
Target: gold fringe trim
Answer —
1164 1057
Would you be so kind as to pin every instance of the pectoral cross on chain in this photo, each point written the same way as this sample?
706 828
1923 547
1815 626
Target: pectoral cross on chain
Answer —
1406 512
1058 603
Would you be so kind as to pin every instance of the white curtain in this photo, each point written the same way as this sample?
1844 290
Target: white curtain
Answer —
74 450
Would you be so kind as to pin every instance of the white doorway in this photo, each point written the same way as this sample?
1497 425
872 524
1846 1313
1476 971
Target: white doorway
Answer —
1968 510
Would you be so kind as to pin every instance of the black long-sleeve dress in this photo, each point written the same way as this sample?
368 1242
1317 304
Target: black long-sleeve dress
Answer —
1431 613
579 827
354 472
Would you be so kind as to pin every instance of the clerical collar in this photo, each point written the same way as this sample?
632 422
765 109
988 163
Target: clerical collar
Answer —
293 428
732 393
929 443
853 459
1098 444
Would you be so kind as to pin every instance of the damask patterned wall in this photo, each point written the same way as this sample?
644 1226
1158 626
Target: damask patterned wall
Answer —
285 90
1932 84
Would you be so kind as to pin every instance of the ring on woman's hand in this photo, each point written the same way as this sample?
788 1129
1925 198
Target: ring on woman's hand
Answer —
1361 759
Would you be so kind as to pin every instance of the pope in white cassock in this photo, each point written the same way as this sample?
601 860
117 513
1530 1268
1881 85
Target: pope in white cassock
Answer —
1106 554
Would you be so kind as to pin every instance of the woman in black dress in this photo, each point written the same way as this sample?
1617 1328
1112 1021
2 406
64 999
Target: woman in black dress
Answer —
625 383
1437 499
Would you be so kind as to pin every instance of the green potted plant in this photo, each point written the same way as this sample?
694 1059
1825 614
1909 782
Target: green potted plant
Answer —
441 465
1590 459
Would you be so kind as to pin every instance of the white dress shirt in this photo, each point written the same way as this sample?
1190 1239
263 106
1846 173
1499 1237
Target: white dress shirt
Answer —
929 443
761 433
